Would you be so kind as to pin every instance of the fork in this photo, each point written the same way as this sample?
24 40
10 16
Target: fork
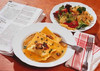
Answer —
77 49
88 49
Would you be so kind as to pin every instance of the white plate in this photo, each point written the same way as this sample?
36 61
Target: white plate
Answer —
25 32
89 9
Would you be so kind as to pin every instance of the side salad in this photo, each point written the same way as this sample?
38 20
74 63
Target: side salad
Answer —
73 17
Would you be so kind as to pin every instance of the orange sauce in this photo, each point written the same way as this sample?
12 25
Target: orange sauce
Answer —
35 57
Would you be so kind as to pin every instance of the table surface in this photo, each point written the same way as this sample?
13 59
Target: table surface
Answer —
47 5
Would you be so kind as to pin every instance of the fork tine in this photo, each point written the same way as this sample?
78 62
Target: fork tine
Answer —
90 43
90 40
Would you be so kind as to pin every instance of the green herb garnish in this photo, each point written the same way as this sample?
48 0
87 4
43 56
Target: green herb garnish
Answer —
46 39
50 50
41 38
62 51
43 51
25 47
52 44
35 42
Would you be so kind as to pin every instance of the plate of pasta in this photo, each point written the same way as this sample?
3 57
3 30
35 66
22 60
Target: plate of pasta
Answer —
74 16
43 45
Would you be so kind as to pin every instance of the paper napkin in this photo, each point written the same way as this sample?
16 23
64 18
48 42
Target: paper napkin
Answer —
13 17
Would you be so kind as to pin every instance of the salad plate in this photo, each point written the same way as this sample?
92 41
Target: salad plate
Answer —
74 16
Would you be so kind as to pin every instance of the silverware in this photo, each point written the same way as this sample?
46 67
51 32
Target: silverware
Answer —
88 49
77 49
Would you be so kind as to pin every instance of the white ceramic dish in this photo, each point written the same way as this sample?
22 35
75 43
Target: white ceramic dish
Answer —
25 32
89 9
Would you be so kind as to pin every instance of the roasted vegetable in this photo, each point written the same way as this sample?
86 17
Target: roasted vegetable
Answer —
62 7
81 9
81 25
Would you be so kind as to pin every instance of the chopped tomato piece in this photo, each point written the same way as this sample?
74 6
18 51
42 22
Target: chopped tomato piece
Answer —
72 24
64 10
57 12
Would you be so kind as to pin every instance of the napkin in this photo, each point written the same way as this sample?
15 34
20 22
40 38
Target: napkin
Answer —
77 60
5 64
